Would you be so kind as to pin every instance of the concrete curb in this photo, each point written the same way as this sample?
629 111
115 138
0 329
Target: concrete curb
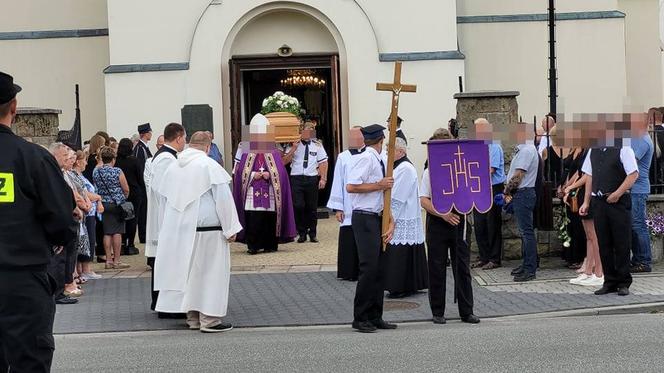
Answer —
654 307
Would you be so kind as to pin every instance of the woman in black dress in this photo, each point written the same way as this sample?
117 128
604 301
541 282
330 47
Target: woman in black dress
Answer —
591 273
574 254
129 165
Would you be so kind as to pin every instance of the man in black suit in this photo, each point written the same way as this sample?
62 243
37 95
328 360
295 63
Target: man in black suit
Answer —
142 153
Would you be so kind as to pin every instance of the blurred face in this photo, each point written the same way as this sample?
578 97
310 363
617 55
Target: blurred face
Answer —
160 142
148 136
81 164
70 160
308 134
355 139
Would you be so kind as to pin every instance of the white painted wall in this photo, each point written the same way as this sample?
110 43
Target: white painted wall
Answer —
158 97
643 51
40 15
268 32
48 69
514 56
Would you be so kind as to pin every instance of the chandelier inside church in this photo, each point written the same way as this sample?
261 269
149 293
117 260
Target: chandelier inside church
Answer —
303 78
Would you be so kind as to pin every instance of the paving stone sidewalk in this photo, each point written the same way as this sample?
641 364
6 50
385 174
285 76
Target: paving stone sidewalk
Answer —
318 298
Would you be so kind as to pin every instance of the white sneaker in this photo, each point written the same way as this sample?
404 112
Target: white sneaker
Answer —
91 276
592 281
578 279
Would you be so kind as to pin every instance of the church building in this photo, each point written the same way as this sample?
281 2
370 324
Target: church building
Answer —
155 61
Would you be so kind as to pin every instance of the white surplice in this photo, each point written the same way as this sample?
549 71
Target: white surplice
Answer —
155 168
194 266
339 198
406 209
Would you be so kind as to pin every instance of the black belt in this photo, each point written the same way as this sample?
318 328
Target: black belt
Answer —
370 213
208 229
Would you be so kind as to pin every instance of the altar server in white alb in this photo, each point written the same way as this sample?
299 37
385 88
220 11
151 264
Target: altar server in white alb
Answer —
193 257
339 202
155 167
405 257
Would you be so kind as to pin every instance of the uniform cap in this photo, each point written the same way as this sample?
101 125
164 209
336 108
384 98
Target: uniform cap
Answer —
144 128
373 131
8 89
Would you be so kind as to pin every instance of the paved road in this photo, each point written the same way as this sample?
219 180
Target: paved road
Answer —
627 343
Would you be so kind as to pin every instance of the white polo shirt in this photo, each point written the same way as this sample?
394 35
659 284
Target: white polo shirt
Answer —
317 155
366 170
627 158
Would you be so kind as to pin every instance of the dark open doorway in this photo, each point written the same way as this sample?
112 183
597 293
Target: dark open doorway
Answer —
255 78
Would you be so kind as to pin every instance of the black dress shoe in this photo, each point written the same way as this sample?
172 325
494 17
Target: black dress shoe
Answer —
313 239
364 327
65 300
397 295
270 250
471 319
302 239
517 271
382 324
605 290
523 277
439 320
252 251
129 250
623 291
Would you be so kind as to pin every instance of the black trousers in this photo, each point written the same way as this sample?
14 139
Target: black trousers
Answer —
71 254
26 321
56 269
369 294
613 224
348 265
155 293
305 204
141 216
260 230
489 231
442 238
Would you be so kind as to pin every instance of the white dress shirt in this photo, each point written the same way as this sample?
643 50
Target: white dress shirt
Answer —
317 155
367 170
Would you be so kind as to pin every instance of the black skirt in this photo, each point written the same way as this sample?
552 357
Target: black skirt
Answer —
406 268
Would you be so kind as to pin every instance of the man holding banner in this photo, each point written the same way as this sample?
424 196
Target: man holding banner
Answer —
456 183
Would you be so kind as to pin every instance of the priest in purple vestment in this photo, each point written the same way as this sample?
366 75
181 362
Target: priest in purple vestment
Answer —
262 192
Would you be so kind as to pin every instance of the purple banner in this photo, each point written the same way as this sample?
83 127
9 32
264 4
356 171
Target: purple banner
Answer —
460 176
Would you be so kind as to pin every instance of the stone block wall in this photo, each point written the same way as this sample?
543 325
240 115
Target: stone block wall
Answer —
40 125
499 107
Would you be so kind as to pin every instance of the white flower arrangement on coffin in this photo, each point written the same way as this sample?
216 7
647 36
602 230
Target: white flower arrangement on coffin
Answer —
280 102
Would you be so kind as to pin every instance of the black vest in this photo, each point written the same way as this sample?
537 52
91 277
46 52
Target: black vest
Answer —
608 170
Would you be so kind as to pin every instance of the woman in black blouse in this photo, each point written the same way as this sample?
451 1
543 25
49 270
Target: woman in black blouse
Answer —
129 166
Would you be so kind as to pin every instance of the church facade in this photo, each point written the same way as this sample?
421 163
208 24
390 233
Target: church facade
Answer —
144 61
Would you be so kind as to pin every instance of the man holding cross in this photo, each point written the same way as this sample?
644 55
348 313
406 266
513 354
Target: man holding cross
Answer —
366 183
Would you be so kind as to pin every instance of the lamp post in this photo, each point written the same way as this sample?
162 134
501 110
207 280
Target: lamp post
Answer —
553 75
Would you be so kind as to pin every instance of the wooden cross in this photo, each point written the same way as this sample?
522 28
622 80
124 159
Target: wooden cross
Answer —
396 88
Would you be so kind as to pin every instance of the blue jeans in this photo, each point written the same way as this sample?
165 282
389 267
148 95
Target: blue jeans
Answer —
523 203
641 253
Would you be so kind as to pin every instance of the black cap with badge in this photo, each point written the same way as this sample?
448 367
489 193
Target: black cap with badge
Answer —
8 89
372 132
144 128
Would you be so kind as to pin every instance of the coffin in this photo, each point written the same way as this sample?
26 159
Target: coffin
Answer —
286 126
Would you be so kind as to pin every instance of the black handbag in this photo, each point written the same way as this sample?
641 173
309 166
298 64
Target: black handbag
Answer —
125 210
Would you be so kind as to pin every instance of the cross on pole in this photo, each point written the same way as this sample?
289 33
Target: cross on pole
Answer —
396 88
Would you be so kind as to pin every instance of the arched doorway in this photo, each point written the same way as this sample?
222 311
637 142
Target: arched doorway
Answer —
256 71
